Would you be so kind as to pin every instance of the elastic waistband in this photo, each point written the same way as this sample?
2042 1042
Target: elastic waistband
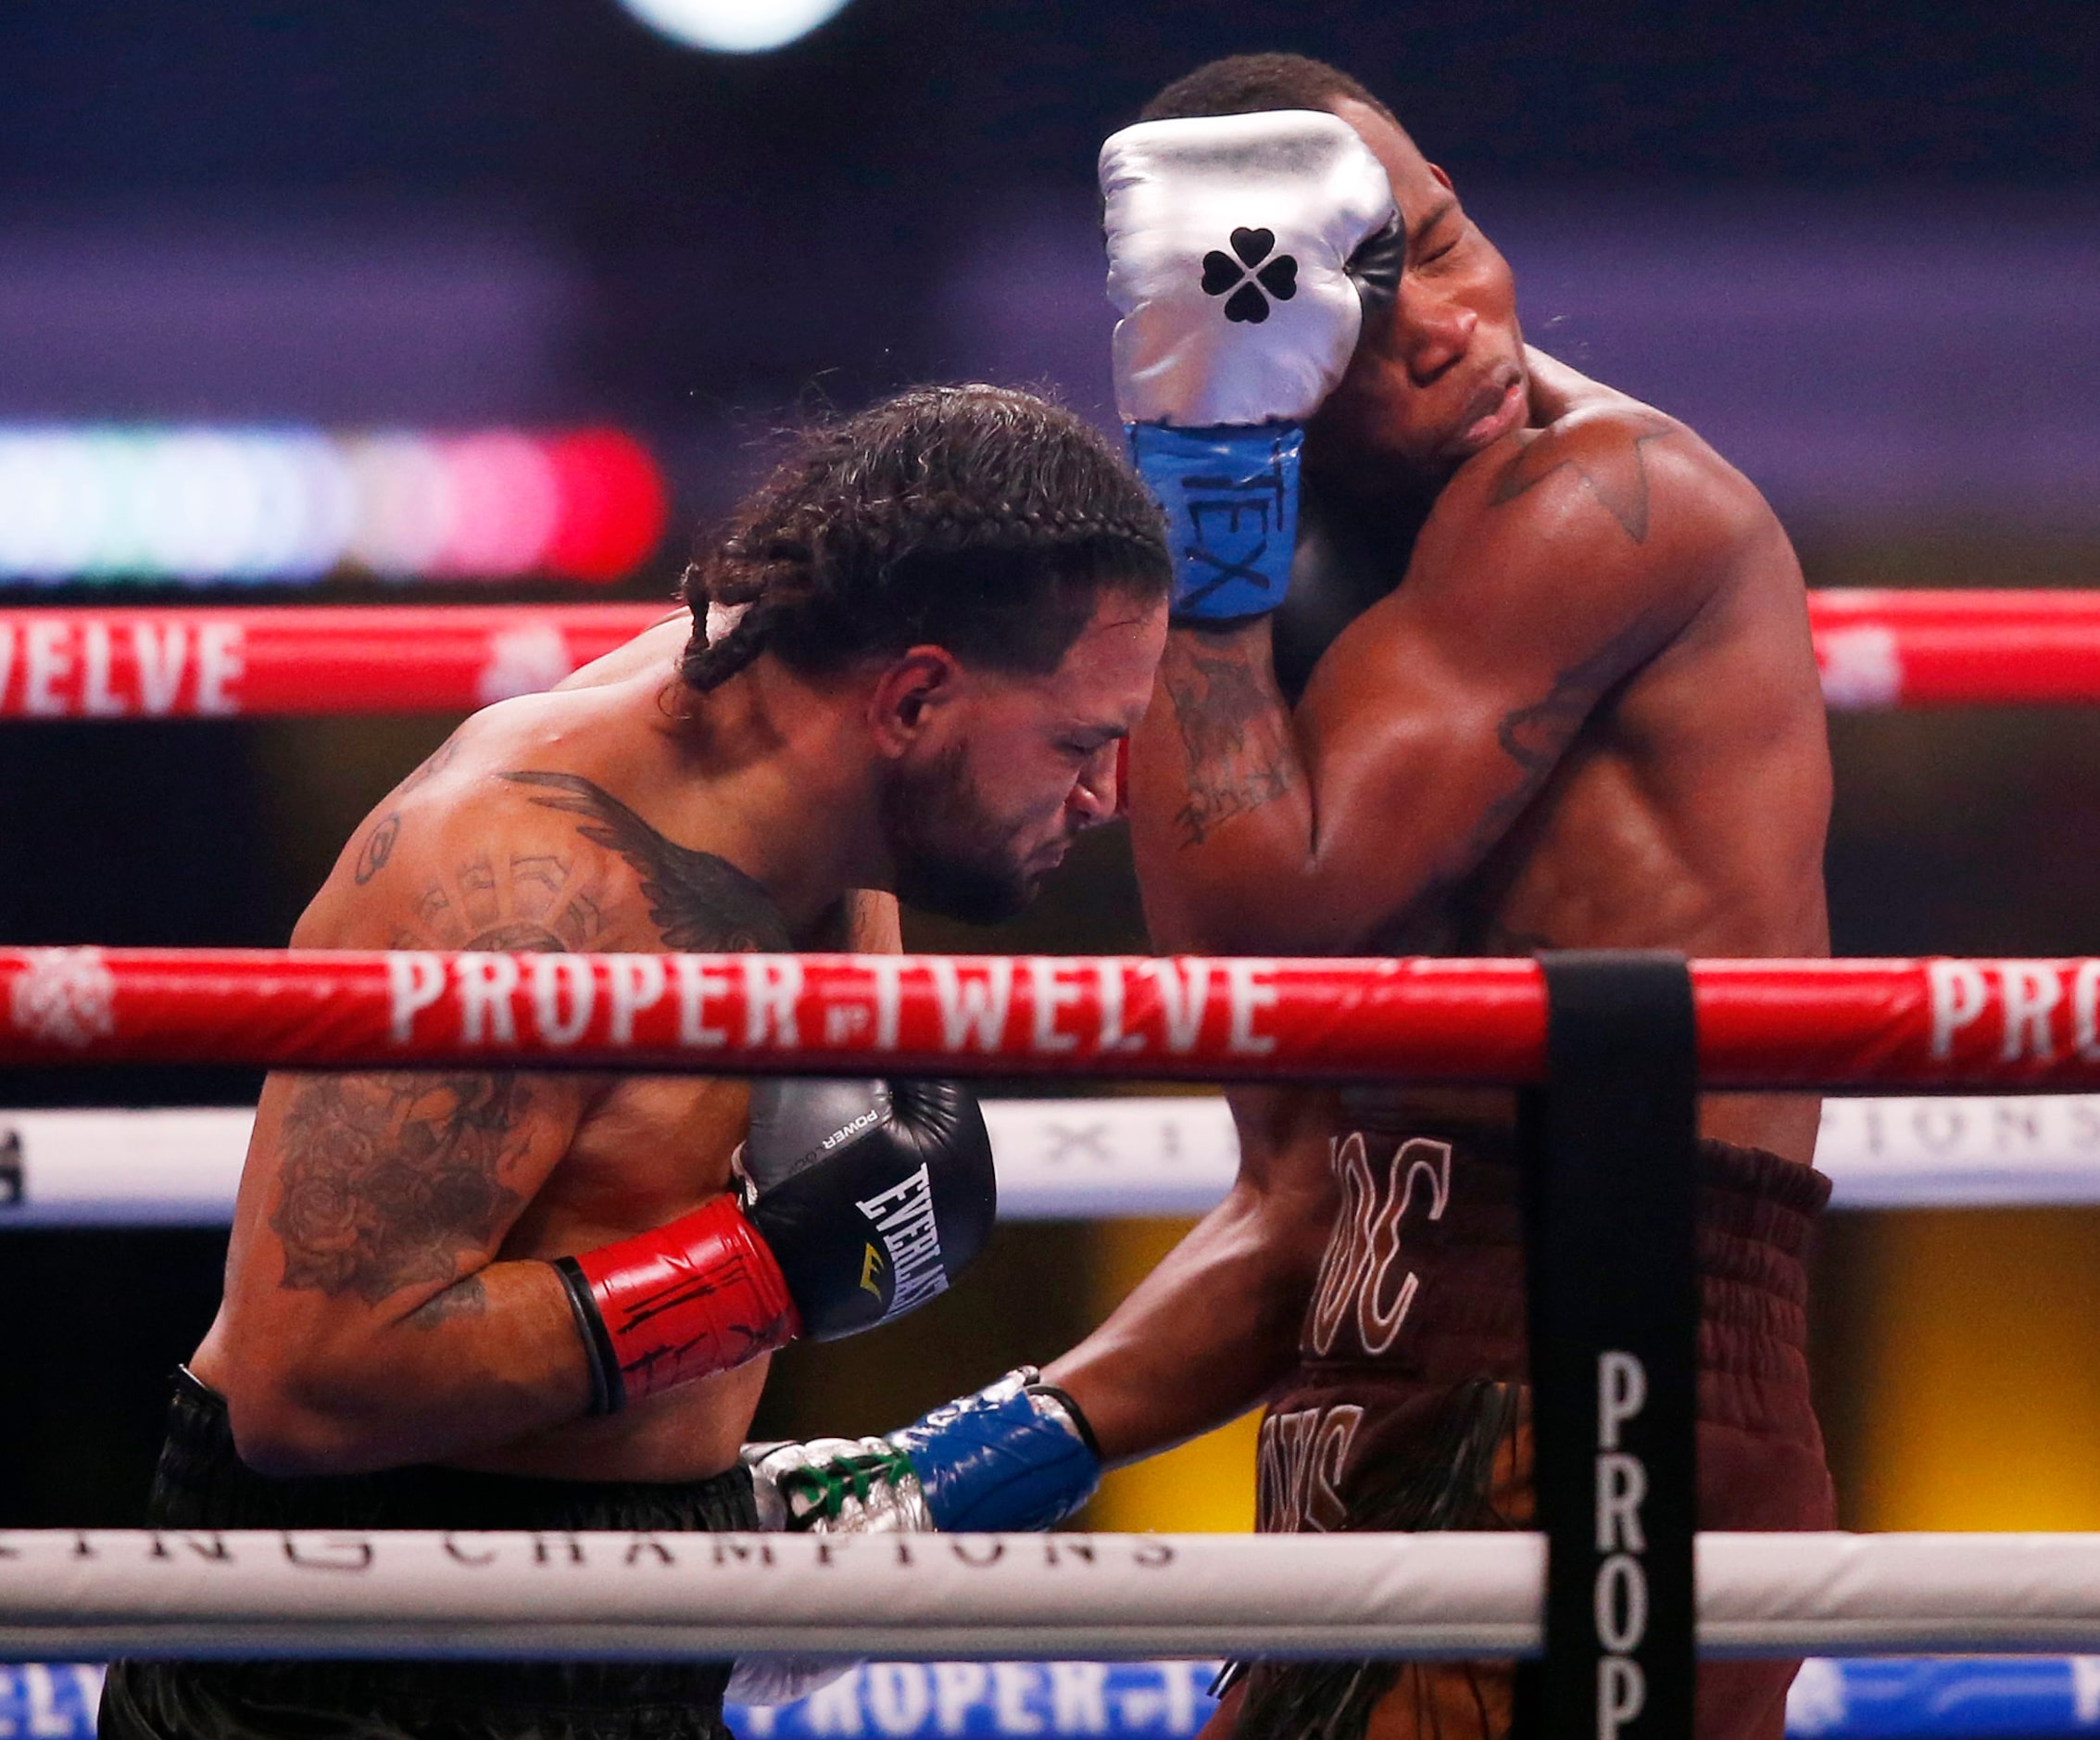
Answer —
1747 1192
1423 1279
202 1482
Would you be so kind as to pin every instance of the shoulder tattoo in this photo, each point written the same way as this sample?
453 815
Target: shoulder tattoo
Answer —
378 848
379 844
697 901
516 902
1605 456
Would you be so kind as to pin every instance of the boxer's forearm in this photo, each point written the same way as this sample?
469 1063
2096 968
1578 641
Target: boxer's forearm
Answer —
1420 738
1256 830
493 1358
1203 1338
1221 813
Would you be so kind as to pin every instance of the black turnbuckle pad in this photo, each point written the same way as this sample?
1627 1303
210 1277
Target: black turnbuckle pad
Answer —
1610 1202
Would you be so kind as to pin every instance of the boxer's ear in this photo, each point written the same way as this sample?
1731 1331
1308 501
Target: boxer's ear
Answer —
909 694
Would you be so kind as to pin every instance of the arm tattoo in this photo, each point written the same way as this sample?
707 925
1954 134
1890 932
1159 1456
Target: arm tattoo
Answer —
1616 476
697 901
1535 737
387 1180
431 765
379 845
467 1298
378 848
1233 729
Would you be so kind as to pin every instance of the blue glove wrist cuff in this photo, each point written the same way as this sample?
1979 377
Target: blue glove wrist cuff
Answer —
1230 494
991 1462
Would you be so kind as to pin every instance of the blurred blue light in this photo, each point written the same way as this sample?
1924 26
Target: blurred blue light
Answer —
733 27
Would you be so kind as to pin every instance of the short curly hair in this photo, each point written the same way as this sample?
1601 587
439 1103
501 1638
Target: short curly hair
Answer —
1253 85
980 519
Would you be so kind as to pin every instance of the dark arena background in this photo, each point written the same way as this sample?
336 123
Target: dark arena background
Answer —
1856 246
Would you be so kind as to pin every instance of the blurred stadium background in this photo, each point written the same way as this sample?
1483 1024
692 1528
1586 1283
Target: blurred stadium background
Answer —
426 247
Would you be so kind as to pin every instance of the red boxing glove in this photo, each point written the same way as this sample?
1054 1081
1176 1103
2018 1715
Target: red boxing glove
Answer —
702 1295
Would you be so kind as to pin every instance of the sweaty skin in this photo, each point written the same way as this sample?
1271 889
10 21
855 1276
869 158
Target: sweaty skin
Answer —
1558 691
385 1301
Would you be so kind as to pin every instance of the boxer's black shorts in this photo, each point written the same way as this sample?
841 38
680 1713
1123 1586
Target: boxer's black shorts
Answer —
202 1483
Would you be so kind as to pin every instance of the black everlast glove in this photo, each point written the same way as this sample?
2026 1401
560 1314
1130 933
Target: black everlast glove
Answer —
872 1194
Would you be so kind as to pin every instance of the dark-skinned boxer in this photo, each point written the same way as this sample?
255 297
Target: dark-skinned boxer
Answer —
1542 677
515 1301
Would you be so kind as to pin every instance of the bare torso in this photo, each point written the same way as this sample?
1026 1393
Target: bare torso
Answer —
534 828
1690 810
1570 702
1482 779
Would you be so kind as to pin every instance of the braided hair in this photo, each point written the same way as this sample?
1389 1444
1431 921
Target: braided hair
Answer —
979 519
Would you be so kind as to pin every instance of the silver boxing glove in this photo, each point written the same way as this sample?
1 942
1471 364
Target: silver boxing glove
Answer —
826 1486
1230 243
837 1487
1016 1454
1243 250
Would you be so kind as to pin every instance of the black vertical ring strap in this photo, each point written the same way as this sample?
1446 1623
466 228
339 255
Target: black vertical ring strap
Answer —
1610 1146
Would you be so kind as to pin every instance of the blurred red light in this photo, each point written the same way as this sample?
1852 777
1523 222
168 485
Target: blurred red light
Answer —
613 505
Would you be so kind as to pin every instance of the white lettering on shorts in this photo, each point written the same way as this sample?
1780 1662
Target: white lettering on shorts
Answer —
1357 1273
1299 1465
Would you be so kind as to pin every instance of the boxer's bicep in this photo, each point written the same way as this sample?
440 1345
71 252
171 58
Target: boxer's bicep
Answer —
367 1319
381 1191
368 1198
1283 1135
1436 718
1286 1178
1421 753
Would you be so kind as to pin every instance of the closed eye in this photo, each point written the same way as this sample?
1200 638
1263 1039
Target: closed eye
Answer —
1438 224
1442 249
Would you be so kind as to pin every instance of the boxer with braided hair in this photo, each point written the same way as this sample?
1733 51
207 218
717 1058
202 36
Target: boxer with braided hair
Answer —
495 1299
950 514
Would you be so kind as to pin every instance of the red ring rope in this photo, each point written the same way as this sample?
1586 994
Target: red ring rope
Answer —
1763 1024
1875 649
198 661
1878 649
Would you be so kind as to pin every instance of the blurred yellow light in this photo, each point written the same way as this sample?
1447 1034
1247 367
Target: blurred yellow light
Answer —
1982 1370
1207 1485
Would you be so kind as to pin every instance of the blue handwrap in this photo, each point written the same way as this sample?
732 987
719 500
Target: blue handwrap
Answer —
1230 495
991 1462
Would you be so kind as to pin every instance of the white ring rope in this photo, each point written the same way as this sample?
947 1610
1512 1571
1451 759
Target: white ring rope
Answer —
1089 1159
71 1593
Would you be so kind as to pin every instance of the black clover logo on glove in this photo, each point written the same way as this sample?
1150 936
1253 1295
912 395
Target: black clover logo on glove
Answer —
1247 277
